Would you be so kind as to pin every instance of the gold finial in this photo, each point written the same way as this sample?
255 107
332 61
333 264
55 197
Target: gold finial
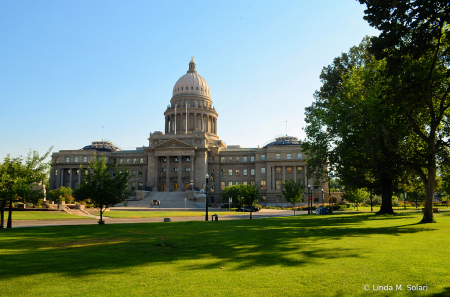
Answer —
192 58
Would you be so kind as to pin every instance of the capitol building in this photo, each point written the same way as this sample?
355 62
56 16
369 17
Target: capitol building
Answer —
178 158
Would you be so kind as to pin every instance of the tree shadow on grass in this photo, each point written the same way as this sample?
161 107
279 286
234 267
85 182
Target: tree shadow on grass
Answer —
76 251
445 293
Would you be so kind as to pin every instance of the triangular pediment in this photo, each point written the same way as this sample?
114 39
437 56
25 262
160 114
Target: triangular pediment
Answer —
174 144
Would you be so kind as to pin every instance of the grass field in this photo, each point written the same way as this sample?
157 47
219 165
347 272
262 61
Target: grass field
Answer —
42 215
156 214
290 256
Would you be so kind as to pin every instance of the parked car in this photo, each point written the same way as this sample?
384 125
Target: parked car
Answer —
248 208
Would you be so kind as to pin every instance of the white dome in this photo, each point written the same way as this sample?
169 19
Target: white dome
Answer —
191 83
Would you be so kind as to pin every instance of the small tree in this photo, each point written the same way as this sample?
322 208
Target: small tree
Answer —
233 192
250 195
100 187
18 177
292 192
355 196
60 194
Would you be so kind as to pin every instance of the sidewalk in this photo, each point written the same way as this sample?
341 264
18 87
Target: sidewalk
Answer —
264 213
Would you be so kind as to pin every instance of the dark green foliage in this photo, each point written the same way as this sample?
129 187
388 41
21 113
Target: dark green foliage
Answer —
292 192
60 194
241 195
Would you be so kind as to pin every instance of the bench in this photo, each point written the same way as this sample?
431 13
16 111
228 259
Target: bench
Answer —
434 210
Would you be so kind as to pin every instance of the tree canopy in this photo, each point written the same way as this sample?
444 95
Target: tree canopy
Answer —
292 192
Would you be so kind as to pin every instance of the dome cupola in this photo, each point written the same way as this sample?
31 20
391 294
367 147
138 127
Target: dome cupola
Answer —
191 83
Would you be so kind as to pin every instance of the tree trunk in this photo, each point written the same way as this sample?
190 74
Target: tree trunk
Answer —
101 215
429 194
10 215
386 195
251 212
2 211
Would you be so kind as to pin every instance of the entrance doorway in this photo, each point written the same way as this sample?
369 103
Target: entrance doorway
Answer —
175 186
186 186
163 187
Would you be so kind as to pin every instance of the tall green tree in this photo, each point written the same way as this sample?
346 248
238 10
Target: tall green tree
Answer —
292 192
242 195
100 187
414 40
355 196
18 177
351 131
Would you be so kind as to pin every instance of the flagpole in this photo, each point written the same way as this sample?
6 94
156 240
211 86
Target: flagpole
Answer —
186 117
175 120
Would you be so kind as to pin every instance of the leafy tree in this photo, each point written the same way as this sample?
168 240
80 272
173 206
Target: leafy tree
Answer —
335 185
414 39
292 192
351 130
234 193
60 194
355 196
18 177
100 187
242 195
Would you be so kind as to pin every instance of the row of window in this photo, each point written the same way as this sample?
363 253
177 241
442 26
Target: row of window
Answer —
133 173
188 159
187 169
133 186
121 161
278 169
252 158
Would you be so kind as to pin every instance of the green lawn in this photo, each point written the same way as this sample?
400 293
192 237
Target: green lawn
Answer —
395 208
290 256
167 214
42 215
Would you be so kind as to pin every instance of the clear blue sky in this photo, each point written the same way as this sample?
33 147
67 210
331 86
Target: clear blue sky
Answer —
67 68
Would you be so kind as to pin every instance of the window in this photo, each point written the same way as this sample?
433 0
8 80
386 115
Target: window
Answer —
212 170
114 161
84 159
263 170
141 185
222 159
176 159
85 172
222 171
252 183
68 172
133 186
252 159
299 169
188 169
277 156
230 159
238 172
120 161
164 159
244 172
163 169
56 171
222 185
67 159
140 172
76 159
252 171
289 169
78 171
230 172
244 159
230 184
288 156
299 156
128 161
133 173
175 169
238 159
113 173
263 157
56 160
278 169
244 183
263 185
212 159
238 183
278 184
134 161
141 160
211 177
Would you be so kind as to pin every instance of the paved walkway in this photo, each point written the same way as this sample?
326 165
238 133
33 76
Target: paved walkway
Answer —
264 213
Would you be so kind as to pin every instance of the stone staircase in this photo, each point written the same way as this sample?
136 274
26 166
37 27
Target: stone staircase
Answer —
77 212
168 200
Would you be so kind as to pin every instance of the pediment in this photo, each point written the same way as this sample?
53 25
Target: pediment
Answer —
174 144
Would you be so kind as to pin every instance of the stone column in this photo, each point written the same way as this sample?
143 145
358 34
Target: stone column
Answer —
284 172
273 177
269 178
167 173
70 170
192 170
79 177
179 173
202 122
157 169
295 173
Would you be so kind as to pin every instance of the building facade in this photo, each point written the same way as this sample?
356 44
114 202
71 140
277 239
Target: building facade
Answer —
179 158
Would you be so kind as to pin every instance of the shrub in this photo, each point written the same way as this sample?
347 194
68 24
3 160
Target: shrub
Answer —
336 207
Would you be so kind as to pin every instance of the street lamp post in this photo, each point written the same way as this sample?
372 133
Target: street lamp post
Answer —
206 198
323 203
